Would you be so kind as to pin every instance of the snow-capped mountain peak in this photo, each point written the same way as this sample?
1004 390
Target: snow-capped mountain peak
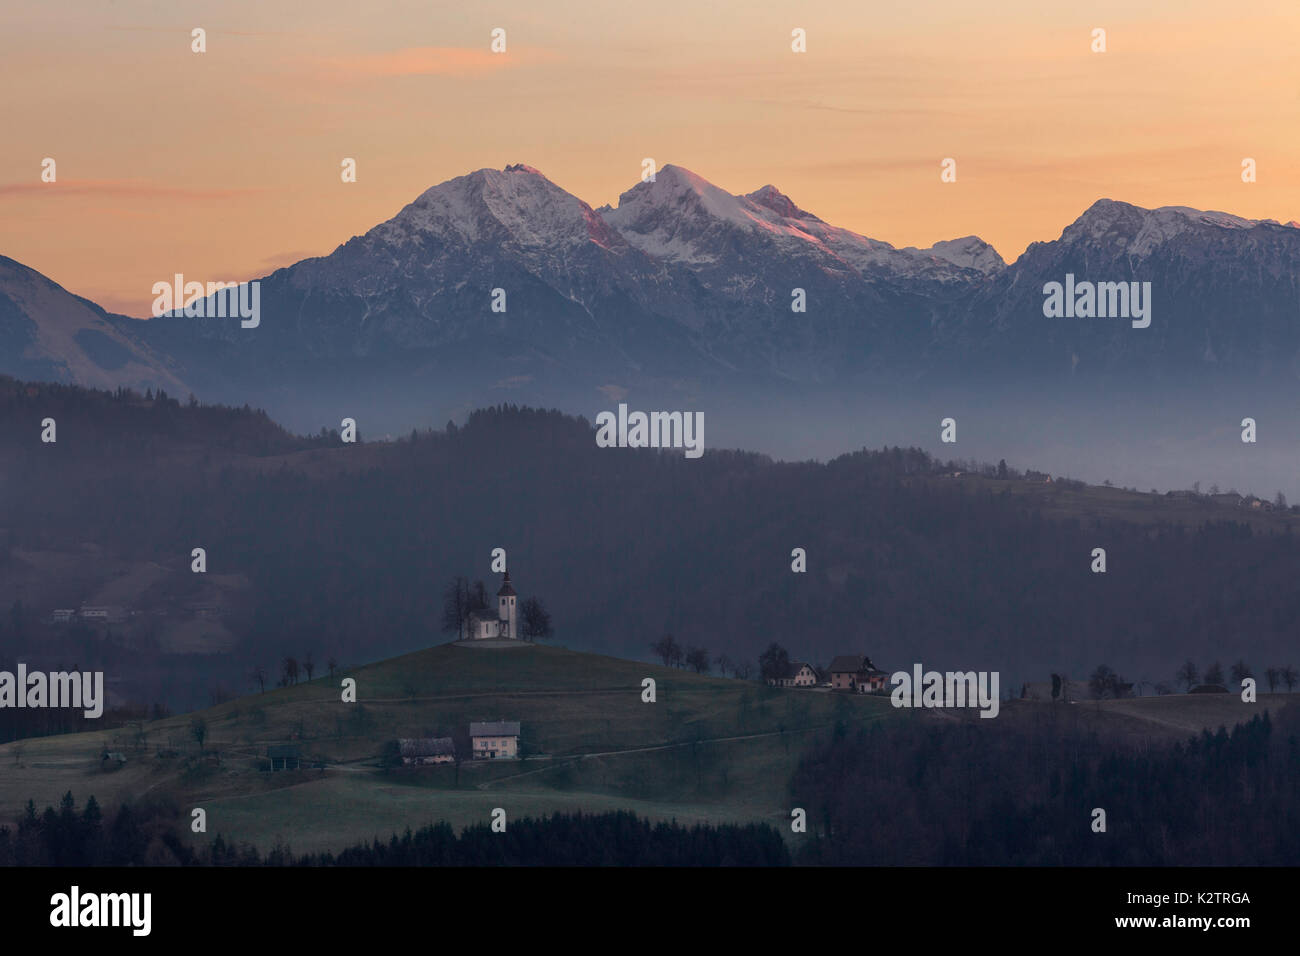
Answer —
517 204
968 252
1139 231
781 204
682 218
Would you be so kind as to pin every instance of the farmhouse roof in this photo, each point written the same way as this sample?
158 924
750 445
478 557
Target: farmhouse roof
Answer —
853 663
426 746
794 667
494 728
283 751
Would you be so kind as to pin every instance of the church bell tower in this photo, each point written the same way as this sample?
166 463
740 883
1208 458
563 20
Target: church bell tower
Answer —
506 610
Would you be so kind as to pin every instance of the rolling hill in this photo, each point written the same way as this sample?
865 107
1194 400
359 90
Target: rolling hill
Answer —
344 550
708 750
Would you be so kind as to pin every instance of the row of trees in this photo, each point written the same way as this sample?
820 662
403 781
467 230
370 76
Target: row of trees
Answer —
772 663
1106 683
291 670
1189 676
698 659
149 835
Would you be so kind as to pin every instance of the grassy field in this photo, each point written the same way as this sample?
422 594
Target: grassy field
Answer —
708 749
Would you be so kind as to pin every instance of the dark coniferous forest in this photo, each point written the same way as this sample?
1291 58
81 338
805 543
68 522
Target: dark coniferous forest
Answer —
953 793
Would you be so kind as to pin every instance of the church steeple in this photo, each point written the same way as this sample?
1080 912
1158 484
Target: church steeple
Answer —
506 609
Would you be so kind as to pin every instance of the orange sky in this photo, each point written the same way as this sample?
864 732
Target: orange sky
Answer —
225 165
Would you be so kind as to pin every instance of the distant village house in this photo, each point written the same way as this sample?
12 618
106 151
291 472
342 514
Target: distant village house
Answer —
494 739
856 674
420 751
797 674
103 615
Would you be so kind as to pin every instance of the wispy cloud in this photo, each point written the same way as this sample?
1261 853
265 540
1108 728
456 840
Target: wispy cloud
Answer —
130 188
185 31
431 61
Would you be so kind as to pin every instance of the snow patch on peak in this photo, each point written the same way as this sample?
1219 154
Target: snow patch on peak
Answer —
678 216
519 201
682 217
679 188
781 204
969 252
1144 229
1225 220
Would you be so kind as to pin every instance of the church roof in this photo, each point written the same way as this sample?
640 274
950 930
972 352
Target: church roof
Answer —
506 589
485 614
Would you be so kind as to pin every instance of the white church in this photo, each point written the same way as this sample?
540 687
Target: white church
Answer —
501 624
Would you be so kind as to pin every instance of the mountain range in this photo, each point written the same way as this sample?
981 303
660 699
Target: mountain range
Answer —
685 294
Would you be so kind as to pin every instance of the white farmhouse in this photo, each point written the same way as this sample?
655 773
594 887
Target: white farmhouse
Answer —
494 739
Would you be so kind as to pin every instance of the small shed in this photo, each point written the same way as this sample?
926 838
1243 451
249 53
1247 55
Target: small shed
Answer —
112 760
284 756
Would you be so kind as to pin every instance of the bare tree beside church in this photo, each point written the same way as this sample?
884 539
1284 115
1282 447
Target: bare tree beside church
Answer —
536 620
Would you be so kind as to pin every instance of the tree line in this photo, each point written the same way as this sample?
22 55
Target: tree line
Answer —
150 835
955 793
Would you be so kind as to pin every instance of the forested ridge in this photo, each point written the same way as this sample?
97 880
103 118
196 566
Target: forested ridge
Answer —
347 548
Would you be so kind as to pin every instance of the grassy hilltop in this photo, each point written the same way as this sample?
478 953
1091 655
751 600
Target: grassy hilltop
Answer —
709 749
